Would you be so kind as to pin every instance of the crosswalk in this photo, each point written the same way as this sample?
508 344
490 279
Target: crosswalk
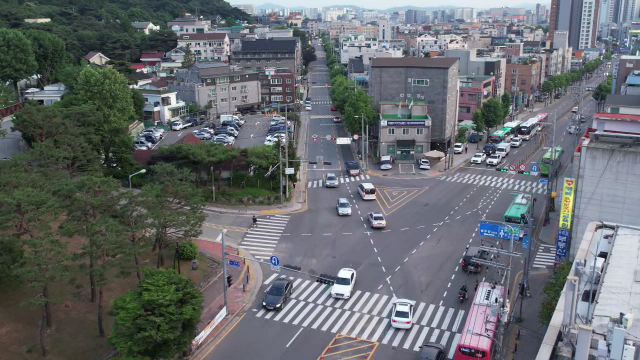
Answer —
545 257
498 181
366 316
321 102
343 179
261 241
321 117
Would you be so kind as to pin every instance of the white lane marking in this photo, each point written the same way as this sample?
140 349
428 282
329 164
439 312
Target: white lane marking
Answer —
434 336
294 311
284 311
380 330
350 323
294 337
412 334
447 318
396 341
387 336
362 300
302 314
456 323
309 290
454 345
380 304
426 317
313 314
423 335
370 327
333 317
416 315
270 279
341 321
352 300
360 325
299 290
324 314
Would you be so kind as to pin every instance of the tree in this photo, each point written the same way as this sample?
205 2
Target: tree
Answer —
461 137
93 200
28 210
547 87
358 104
158 319
161 40
189 58
478 121
17 59
426 54
174 206
7 95
505 99
50 54
552 290
492 112
133 217
308 56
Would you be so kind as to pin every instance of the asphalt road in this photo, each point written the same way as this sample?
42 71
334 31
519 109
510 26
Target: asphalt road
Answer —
430 222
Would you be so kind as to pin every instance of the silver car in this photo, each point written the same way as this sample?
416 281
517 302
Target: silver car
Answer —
344 207
331 181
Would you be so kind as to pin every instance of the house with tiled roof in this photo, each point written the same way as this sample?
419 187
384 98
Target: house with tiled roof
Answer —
207 46
150 57
144 26
96 58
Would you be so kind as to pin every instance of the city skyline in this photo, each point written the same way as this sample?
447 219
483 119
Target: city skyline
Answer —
382 5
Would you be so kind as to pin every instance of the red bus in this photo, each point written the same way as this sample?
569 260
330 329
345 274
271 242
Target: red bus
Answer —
476 340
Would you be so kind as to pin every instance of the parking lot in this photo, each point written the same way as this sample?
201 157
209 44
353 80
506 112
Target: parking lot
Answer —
252 133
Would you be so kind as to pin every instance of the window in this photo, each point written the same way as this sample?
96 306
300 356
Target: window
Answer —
276 97
244 87
236 78
405 131
223 100
420 131
418 149
276 81
234 99
213 91
289 98
391 131
276 89
222 80
473 97
268 61
233 88
513 81
523 82
224 89
288 89
244 98
288 81
514 71
391 149
420 82
464 109
614 110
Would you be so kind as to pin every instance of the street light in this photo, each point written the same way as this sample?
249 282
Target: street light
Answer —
134 174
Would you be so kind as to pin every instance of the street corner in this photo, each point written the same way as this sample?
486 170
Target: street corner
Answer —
239 229
391 199
348 347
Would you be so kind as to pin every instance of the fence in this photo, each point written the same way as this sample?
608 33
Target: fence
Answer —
10 110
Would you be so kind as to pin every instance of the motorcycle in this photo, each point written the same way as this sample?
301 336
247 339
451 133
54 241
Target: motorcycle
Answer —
462 294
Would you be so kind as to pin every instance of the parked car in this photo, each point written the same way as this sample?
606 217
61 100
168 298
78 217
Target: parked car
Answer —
276 297
199 121
177 125
141 147
424 164
150 138
386 162
458 148
224 139
159 132
142 142
203 135
308 107
558 96
344 207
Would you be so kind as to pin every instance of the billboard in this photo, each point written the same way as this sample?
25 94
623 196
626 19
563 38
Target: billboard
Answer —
566 207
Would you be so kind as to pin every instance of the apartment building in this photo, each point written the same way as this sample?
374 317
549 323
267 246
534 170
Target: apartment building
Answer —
267 53
190 25
207 46
277 86
474 91
352 46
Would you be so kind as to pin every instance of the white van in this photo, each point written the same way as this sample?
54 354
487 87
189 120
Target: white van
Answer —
503 149
367 191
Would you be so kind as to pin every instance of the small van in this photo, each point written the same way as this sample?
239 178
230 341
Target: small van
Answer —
177 125
503 149
367 191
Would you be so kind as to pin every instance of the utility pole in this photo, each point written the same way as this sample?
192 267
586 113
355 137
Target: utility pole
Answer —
364 160
514 107
527 253
224 268
280 159
286 147
552 177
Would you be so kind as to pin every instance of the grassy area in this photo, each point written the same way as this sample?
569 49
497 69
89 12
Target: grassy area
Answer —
74 334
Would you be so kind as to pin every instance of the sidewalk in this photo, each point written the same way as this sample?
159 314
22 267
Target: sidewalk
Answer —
246 282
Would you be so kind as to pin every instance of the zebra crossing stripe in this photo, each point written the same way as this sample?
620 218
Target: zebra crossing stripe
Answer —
270 279
319 321
458 321
447 318
352 300
427 315
399 336
315 294
388 308
370 327
309 185
350 323
416 315
358 328
302 314
293 312
333 317
387 336
383 325
421 338
313 315
286 309
362 300
341 321
299 290
445 338
454 345
370 303
324 296
380 304
434 336
412 334
436 319
341 180
309 290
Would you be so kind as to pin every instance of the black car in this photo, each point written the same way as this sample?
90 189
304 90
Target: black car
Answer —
468 264
278 294
199 121
431 351
150 138
489 149
254 112
353 168
189 122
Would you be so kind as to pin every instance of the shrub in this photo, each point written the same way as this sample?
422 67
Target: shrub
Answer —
188 251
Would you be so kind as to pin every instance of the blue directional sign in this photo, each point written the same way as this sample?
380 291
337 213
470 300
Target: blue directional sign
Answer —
525 242
535 168
543 181
234 263
274 261
498 231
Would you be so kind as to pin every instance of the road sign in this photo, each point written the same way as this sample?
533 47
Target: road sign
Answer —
274 261
234 263
525 242
328 137
314 136
289 171
356 137
523 167
275 268
543 181
512 167
343 141
498 231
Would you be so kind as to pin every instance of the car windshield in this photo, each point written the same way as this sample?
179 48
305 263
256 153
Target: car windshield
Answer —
477 156
343 204
378 217
276 290
343 281
402 314
494 156
332 177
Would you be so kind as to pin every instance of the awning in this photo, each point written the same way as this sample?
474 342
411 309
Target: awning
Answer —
434 154
405 143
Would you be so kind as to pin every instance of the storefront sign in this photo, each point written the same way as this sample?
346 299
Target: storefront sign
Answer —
562 241
405 122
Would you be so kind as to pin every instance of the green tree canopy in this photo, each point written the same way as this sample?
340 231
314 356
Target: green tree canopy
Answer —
158 319
50 54
492 113
17 59
478 121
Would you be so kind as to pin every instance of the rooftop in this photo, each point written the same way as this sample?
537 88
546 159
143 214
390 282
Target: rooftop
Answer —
199 36
268 45
411 62
623 100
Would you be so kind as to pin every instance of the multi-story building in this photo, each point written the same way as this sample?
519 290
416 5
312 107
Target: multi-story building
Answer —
627 65
523 79
589 24
248 8
190 25
207 46
426 42
218 87
277 86
474 91
433 81
623 104
352 46
541 14
404 130
267 53
579 18
470 64
385 31
161 104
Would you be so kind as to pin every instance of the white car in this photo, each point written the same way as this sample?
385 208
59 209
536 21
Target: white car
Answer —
494 159
343 286
344 207
386 163
458 148
478 158
516 142
402 314
424 164
145 147
307 107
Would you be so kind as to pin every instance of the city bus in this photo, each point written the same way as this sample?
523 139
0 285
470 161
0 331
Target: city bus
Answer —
498 136
513 127
551 158
519 206
478 334
528 129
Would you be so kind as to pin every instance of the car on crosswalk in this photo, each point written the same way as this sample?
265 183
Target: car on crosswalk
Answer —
402 314
331 181
431 351
478 158
344 284
276 297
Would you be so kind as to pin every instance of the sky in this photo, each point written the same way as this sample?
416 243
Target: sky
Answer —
382 4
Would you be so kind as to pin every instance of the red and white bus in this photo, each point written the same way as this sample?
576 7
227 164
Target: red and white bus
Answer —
476 340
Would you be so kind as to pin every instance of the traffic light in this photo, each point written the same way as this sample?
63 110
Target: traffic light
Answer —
325 279
315 139
502 169
229 281
524 172
292 267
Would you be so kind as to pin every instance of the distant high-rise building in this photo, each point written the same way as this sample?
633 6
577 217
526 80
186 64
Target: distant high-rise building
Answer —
579 18
410 17
248 8
627 11
541 13
384 29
